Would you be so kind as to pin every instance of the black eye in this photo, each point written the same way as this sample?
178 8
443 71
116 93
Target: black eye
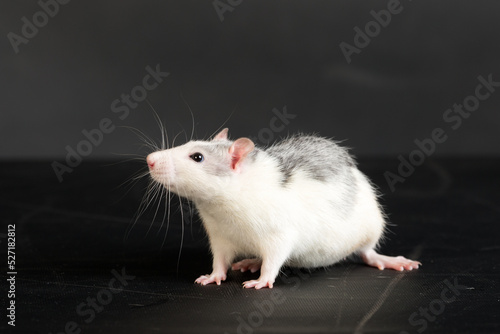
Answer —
198 157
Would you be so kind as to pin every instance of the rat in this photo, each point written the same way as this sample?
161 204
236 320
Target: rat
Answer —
302 202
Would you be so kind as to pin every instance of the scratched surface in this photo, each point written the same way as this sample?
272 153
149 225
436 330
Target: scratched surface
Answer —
80 272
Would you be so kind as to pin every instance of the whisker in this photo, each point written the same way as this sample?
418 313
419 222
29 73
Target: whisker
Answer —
167 194
142 136
150 143
148 147
177 135
168 216
141 156
192 117
183 131
146 201
222 126
133 157
151 197
191 214
133 179
182 234
154 190
163 130
138 213
185 135
158 194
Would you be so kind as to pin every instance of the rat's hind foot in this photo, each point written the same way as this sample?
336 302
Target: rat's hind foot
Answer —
248 264
212 278
399 263
257 284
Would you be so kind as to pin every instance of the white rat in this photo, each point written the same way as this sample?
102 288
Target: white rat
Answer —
301 202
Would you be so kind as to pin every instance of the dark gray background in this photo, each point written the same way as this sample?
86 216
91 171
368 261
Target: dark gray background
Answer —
263 55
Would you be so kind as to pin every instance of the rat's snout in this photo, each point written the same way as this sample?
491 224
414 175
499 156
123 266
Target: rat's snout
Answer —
151 160
156 160
161 167
159 163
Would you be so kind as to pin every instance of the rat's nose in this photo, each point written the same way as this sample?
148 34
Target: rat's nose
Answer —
151 160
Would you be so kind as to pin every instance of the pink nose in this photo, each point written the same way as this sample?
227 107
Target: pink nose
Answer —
151 161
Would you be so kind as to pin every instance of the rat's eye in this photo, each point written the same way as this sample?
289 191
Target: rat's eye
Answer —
198 157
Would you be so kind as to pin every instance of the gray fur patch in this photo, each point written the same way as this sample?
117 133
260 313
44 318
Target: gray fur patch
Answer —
318 157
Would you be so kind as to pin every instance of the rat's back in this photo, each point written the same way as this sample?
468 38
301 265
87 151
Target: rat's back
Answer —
319 158
335 209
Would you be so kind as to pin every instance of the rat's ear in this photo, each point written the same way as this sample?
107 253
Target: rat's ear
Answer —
221 135
239 150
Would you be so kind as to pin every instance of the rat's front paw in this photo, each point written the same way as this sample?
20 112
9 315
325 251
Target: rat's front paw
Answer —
258 284
212 278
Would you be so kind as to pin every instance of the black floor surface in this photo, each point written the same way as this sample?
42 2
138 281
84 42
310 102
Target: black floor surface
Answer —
78 271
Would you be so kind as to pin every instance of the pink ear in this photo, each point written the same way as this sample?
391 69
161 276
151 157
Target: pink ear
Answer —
239 150
221 135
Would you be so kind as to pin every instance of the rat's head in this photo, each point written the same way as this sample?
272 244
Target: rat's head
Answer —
200 169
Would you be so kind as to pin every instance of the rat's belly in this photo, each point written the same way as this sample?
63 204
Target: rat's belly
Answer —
317 258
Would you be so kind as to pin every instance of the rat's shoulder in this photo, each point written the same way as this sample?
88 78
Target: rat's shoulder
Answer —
319 157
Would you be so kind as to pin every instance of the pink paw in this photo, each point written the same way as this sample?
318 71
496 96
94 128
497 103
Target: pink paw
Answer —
248 264
258 284
399 263
212 278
